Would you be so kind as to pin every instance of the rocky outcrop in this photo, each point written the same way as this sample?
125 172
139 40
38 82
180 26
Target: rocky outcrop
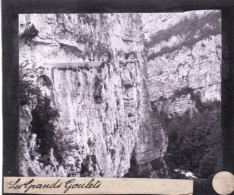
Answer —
94 74
101 76
183 52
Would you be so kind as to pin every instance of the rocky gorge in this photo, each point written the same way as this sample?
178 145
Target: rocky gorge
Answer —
92 86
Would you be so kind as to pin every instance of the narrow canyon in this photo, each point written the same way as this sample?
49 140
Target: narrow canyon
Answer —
92 87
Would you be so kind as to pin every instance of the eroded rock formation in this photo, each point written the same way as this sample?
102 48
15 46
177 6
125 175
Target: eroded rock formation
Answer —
98 77
94 74
184 53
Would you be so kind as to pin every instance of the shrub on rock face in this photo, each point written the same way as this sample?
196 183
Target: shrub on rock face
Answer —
30 32
26 91
43 116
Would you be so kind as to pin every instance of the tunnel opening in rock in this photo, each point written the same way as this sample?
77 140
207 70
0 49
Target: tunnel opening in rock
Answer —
44 80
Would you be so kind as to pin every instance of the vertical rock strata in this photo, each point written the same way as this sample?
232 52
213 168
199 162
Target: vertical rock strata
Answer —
92 69
99 74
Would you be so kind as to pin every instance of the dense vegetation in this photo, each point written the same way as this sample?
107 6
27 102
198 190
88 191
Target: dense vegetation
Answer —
194 141
42 123
26 91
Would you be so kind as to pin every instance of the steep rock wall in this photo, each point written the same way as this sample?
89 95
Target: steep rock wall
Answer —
183 52
94 74
105 75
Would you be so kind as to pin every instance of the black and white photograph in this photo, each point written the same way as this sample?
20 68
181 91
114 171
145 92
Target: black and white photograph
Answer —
135 95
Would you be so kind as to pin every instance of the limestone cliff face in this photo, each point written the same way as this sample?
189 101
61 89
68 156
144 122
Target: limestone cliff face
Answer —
92 69
183 52
101 76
